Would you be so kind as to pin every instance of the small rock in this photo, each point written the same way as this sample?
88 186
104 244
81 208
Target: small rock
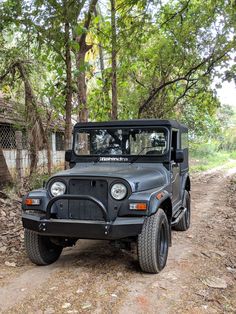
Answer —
49 310
155 285
171 276
86 305
80 290
220 253
3 249
66 305
114 295
10 264
215 282
22 289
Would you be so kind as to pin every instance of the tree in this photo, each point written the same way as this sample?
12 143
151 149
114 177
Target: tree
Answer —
34 124
169 58
83 48
114 114
147 56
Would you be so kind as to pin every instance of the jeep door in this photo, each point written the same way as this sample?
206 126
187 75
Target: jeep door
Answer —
175 167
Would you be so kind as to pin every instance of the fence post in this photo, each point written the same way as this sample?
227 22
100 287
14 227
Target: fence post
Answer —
19 167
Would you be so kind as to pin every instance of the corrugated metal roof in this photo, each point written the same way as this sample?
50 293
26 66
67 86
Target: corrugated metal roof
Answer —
9 115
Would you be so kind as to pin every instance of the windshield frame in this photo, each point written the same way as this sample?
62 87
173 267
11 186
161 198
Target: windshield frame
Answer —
123 157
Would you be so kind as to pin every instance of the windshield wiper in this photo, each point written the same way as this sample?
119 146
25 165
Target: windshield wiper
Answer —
137 156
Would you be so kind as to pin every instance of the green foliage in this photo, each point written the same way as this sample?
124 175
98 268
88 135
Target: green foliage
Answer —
228 139
203 149
217 159
168 54
205 156
37 181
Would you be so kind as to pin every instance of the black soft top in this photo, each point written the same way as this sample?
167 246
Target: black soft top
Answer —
140 122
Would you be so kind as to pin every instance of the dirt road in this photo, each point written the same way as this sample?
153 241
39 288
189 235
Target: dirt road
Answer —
93 277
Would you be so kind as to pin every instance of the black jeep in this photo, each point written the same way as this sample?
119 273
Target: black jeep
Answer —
128 182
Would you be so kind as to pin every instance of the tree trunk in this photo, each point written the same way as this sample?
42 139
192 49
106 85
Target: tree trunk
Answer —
105 78
114 113
5 176
33 119
19 169
81 85
83 113
49 155
68 107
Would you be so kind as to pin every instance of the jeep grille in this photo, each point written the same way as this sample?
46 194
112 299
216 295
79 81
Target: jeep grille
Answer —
83 209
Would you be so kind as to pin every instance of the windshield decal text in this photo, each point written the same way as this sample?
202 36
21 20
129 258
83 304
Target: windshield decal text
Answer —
113 159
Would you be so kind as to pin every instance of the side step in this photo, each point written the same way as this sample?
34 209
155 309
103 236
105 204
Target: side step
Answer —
179 215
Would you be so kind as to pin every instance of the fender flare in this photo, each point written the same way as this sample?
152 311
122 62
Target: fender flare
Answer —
186 184
164 202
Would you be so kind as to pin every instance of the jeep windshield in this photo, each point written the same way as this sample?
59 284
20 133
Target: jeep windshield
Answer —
121 141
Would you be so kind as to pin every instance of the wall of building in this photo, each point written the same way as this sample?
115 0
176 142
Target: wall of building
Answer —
58 158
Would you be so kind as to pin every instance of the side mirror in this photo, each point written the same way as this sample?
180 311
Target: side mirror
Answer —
179 156
68 155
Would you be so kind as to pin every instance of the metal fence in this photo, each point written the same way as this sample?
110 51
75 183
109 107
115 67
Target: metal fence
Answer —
8 141
7 137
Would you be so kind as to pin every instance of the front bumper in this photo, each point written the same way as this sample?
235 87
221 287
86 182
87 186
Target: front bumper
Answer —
121 227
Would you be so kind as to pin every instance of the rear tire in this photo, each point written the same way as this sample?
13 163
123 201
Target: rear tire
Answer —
40 250
184 223
153 243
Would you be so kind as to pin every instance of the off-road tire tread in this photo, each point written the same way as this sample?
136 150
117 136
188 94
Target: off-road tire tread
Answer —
37 250
147 243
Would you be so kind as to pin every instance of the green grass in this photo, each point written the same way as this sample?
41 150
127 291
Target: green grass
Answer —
200 161
37 179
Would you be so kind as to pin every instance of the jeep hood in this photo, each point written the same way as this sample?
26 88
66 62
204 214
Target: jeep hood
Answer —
141 177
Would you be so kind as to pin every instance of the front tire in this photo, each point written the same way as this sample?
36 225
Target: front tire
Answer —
153 243
40 250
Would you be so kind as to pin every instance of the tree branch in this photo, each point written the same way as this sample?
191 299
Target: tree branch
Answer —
176 13
87 21
9 70
186 77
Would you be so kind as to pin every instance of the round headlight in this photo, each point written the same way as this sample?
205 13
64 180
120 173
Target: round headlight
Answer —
58 188
119 191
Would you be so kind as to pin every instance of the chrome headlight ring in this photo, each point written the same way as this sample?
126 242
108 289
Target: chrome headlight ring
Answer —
57 188
119 191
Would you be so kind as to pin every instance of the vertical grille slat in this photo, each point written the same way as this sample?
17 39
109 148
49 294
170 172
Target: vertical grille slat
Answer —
83 209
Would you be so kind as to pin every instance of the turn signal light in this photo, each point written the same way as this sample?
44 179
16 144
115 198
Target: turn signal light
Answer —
159 195
138 206
32 201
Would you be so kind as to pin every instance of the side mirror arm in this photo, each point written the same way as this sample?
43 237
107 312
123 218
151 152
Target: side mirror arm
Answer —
68 155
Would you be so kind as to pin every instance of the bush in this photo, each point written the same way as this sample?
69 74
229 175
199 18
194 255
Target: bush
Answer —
199 150
204 156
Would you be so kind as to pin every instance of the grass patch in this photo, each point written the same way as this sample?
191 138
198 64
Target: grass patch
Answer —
38 179
206 161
